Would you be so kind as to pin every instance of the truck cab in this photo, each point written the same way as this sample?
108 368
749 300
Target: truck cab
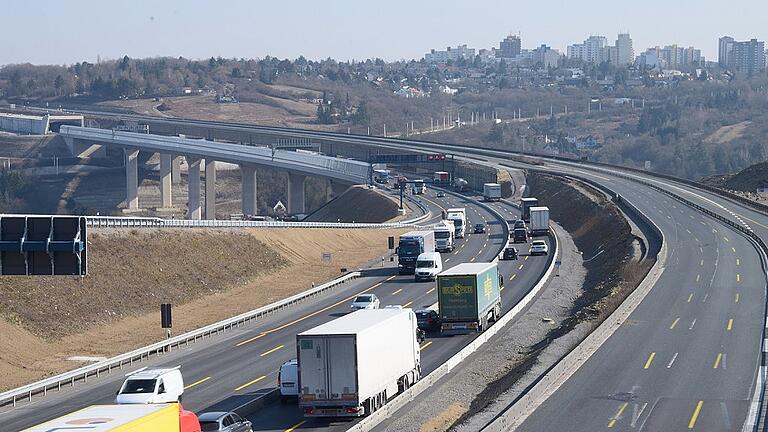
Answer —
459 218
410 246
445 234
151 386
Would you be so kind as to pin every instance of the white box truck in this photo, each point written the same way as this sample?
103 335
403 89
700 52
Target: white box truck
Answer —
539 221
445 234
459 217
492 191
353 365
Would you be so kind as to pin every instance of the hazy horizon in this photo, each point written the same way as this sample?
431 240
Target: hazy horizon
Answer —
348 30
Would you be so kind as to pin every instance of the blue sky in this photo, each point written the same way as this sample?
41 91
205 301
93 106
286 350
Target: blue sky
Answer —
63 32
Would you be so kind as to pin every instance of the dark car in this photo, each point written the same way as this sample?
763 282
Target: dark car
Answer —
224 422
510 253
519 223
427 319
519 235
479 228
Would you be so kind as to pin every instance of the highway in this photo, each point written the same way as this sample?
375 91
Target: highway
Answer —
222 372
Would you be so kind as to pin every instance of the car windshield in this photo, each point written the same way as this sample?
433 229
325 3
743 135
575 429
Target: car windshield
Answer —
425 264
363 299
409 247
139 386
538 243
209 426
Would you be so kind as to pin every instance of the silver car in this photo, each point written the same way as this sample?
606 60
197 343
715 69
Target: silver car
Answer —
365 301
224 422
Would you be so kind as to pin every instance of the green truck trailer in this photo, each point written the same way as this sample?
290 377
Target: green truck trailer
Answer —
469 298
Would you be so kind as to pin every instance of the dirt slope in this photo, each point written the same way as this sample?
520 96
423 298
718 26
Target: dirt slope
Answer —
357 204
219 280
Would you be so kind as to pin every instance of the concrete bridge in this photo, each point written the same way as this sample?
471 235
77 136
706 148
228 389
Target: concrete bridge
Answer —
299 165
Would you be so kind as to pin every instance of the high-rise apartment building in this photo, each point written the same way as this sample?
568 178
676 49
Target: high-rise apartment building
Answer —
625 53
591 51
450 54
747 57
510 47
725 45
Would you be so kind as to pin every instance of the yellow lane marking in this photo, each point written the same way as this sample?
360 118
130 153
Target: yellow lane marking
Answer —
618 414
408 304
317 312
737 297
690 297
430 290
397 291
521 266
421 348
698 277
738 262
730 324
266 353
733 249
695 415
473 258
513 276
296 426
674 323
249 383
717 360
738 277
526 258
650 360
196 383
501 289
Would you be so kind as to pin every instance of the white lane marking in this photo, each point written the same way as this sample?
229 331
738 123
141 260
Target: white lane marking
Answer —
674 357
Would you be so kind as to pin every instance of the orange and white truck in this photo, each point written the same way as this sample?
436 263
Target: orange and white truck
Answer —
170 417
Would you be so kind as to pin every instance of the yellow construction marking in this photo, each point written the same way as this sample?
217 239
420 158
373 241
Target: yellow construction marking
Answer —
690 297
521 266
738 262
408 304
695 415
737 297
397 291
650 360
674 323
526 258
618 414
473 258
196 383
249 383
730 324
430 290
266 353
733 249
513 276
300 319
501 289
421 348
717 360
296 426
738 277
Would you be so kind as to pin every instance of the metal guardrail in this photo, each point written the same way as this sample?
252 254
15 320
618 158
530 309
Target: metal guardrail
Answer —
82 374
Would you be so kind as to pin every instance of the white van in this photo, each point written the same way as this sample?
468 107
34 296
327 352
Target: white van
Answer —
428 265
152 386
287 380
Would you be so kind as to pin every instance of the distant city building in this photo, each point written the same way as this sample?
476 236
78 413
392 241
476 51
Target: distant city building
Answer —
591 51
670 57
625 52
510 47
747 57
725 45
450 54
546 57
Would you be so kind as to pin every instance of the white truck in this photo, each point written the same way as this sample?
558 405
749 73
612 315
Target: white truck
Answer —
459 217
151 386
492 192
445 236
539 221
353 365
419 187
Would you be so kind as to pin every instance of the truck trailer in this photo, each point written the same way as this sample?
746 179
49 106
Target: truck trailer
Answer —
124 418
469 297
525 205
411 245
353 365
539 221
441 178
492 192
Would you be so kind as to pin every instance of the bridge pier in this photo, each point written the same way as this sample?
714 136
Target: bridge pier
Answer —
193 181
210 189
166 200
248 173
131 179
296 197
176 169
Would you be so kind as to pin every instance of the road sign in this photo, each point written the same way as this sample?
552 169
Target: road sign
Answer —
327 257
166 319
